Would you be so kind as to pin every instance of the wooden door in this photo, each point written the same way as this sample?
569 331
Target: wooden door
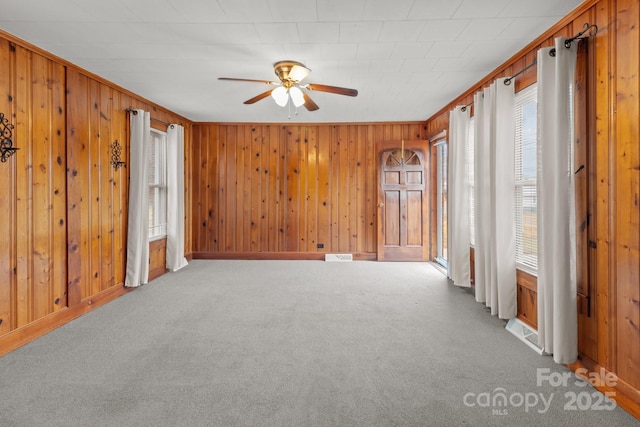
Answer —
402 205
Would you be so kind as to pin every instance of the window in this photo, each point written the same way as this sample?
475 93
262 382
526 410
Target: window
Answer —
526 211
441 184
472 181
158 185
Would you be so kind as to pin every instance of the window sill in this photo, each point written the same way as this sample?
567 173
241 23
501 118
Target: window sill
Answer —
442 262
529 270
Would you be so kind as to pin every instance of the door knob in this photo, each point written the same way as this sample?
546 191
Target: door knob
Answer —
381 205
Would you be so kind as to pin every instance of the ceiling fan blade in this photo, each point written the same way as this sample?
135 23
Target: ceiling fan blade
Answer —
332 89
269 82
257 98
308 102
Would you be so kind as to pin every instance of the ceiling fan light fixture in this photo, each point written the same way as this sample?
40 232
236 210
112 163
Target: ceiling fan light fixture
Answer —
290 74
298 73
280 95
296 96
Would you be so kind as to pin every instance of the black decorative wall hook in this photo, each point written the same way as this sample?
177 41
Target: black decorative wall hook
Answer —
6 145
116 150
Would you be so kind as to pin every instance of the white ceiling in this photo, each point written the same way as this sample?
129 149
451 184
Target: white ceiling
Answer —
407 58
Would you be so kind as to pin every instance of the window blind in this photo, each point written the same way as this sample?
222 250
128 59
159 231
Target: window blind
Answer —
157 185
526 211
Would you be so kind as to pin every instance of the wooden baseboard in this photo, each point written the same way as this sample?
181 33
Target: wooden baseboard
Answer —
25 334
358 256
155 273
625 395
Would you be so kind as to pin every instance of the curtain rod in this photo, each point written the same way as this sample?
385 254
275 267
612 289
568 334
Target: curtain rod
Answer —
579 36
507 81
593 30
135 113
464 107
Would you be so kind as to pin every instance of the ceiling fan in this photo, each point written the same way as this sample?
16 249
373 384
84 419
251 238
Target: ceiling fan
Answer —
290 86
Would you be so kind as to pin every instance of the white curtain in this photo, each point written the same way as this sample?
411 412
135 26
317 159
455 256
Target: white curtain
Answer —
495 263
481 178
138 230
175 198
458 198
557 312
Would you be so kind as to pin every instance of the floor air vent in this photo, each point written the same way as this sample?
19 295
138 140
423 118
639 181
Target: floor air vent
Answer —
338 257
525 333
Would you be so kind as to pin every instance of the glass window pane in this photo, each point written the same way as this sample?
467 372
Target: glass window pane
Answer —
441 183
529 126
157 185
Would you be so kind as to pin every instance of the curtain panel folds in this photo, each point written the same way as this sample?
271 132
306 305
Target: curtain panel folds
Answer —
137 272
557 311
175 198
458 198
495 264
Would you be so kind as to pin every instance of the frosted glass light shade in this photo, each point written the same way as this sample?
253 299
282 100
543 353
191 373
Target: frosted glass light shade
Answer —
280 95
296 96
298 73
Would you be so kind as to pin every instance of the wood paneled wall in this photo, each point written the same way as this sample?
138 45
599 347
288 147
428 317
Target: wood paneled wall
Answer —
98 193
280 190
609 336
64 226
620 167
33 265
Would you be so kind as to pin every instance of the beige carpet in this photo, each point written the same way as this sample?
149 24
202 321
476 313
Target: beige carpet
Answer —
289 343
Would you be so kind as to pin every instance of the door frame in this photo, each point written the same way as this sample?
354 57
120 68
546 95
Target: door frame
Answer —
423 147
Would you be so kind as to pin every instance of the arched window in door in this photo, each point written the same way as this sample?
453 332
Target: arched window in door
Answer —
402 157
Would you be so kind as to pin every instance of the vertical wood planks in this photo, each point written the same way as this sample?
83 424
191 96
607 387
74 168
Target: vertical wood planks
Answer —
97 205
312 181
33 241
306 158
292 189
255 177
120 190
604 76
75 153
627 192
323 208
7 197
94 185
63 234
106 176
288 188
24 189
87 158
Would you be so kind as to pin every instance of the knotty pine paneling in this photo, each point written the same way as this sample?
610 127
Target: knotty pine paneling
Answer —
527 298
33 262
157 258
63 231
609 336
284 189
626 192
97 192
